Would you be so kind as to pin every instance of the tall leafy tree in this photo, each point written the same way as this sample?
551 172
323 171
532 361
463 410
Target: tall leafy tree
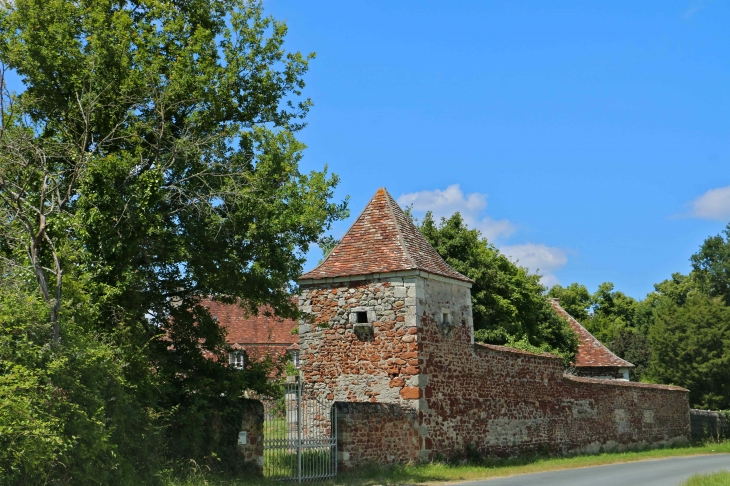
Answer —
691 348
574 298
508 303
711 266
613 312
151 161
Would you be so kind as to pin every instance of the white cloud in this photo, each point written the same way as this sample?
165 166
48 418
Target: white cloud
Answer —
714 204
444 203
538 258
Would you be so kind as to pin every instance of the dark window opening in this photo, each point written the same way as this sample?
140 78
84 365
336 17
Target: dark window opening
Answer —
362 317
295 358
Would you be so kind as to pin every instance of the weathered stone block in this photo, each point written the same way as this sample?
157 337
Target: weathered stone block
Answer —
410 393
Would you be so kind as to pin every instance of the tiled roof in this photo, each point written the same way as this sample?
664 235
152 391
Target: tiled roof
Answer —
257 330
590 351
383 239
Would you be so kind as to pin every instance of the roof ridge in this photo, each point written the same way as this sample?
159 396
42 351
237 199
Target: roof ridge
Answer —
402 240
603 346
340 240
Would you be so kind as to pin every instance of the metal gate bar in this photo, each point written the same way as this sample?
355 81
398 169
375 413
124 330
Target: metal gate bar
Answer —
300 436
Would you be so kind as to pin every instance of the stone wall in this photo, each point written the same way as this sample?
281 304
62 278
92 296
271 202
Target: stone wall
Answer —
378 364
503 401
376 433
416 353
708 424
252 425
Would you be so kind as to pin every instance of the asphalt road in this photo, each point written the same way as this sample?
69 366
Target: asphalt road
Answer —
660 472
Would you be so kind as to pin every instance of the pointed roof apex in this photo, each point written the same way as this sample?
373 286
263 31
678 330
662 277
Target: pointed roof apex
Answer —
590 350
383 239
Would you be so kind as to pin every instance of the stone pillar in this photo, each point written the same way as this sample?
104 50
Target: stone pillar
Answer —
251 435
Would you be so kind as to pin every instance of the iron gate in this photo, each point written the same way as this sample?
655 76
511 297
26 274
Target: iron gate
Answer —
300 436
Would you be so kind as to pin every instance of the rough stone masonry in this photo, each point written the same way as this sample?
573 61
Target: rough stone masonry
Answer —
389 323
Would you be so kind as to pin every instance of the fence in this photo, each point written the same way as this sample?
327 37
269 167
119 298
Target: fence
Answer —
300 437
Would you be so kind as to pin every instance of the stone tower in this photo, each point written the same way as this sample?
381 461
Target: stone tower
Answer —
365 303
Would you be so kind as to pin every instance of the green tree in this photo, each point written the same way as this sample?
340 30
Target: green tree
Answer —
711 266
613 312
691 348
575 299
634 347
508 303
151 162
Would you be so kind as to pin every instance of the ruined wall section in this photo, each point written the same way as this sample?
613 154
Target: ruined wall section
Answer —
339 364
504 401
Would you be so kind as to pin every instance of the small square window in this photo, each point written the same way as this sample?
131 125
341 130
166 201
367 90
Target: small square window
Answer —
445 317
237 359
362 317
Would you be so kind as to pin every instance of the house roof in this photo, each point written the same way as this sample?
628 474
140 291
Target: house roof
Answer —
261 329
383 239
590 350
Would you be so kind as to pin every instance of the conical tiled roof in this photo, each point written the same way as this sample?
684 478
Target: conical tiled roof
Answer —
590 350
383 239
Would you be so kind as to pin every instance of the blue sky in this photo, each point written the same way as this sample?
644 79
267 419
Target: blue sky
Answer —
587 139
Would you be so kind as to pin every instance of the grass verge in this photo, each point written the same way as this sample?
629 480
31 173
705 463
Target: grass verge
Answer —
716 479
439 472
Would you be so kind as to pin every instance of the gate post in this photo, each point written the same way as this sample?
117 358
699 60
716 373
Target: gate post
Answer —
251 435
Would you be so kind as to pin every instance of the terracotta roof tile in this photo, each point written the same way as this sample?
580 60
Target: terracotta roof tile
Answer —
590 351
383 239
243 330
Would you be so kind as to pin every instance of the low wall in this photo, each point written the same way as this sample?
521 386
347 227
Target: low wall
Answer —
376 433
708 424
252 434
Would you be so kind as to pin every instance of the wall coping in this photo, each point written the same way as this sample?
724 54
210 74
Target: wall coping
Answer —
505 349
630 384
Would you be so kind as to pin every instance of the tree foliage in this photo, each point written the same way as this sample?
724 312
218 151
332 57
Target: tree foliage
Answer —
508 303
613 312
151 161
711 266
575 299
691 345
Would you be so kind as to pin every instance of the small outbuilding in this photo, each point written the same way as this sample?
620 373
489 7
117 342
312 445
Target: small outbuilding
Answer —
593 359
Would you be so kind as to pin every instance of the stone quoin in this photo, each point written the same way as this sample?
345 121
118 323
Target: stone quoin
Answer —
387 337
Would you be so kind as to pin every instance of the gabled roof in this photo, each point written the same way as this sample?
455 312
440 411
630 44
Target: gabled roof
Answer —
590 350
383 239
242 330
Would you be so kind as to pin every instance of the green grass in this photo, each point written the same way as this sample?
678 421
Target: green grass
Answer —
275 428
716 479
438 472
